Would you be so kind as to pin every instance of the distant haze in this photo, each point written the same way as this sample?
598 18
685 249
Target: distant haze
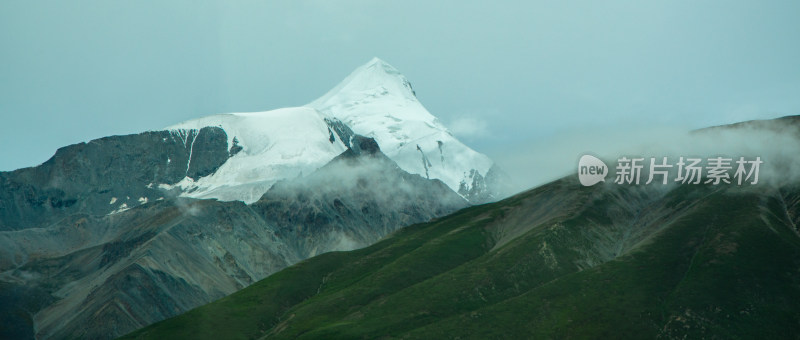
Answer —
513 80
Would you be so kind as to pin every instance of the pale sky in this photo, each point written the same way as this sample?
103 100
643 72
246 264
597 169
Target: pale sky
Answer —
500 74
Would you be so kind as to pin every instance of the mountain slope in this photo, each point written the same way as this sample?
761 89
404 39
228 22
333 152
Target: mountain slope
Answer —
64 204
697 263
165 257
100 176
558 261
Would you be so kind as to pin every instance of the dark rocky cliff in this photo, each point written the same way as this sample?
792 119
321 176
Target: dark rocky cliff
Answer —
85 177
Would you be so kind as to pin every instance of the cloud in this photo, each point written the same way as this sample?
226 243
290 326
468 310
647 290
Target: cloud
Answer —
469 127
539 161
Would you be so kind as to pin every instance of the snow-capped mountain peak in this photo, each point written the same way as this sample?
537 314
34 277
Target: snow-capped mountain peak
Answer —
375 100
373 80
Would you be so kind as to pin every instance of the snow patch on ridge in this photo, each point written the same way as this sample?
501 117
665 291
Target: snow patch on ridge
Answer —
277 144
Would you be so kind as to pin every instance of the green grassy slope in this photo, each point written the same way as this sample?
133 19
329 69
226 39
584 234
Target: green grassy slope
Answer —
559 261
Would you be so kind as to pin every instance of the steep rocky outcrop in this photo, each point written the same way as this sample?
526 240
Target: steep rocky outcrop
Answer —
100 176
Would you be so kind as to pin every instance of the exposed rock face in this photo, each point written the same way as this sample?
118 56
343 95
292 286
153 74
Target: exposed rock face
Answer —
85 177
481 189
94 270
342 131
